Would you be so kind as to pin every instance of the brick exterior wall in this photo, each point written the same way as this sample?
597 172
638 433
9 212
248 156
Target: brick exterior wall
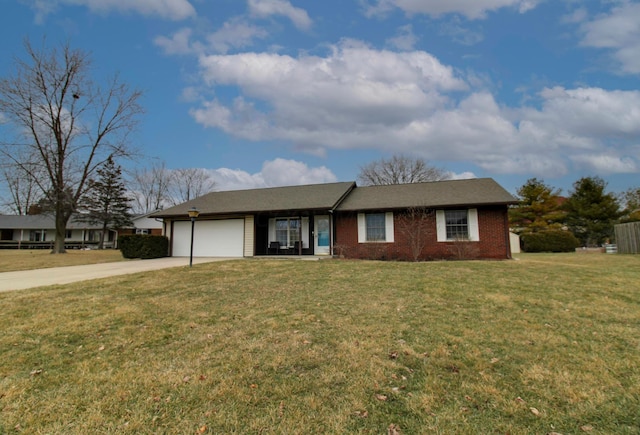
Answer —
493 244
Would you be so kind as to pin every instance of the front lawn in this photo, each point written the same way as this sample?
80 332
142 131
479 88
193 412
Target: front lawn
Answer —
25 259
548 343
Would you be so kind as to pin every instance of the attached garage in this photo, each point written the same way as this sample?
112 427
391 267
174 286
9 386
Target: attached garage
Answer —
211 238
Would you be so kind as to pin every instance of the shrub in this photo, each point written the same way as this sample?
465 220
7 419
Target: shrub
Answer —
549 241
154 247
143 246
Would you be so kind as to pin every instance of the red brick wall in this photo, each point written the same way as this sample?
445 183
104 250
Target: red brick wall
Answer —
493 244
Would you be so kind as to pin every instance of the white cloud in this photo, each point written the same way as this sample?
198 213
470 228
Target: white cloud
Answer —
405 40
168 9
472 9
359 97
354 97
619 31
459 33
605 163
235 33
178 43
267 8
461 176
591 112
277 172
579 15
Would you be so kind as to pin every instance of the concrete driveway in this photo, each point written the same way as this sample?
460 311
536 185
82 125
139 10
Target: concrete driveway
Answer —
64 275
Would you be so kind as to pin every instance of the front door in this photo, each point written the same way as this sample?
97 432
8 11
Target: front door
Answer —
321 235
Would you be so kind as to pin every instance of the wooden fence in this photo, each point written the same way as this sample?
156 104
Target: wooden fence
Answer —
628 238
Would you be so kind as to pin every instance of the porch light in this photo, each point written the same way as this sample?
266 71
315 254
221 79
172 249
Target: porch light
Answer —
193 214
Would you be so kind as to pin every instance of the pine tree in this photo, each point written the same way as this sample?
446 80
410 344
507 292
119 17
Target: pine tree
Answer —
106 201
591 213
539 208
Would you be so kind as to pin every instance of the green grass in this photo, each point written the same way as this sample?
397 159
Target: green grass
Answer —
23 259
278 346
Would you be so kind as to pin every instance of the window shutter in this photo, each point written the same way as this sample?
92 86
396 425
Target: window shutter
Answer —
388 223
362 228
474 229
441 226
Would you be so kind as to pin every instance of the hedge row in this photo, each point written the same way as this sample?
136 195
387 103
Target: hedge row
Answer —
143 246
549 241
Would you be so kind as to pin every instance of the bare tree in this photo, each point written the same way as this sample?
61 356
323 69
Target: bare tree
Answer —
67 123
149 188
189 183
416 225
399 169
156 187
22 191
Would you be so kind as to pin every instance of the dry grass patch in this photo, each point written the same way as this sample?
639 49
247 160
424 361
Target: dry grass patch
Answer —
277 346
23 259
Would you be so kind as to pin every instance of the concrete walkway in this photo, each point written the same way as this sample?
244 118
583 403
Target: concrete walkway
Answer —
64 275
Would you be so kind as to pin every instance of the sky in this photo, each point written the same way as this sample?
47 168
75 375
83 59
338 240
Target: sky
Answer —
281 92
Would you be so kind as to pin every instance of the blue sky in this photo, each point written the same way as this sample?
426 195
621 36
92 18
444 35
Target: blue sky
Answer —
280 92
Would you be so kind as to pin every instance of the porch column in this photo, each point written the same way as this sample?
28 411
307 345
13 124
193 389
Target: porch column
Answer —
300 235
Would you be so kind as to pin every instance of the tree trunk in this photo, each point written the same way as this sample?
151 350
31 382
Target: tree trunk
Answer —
104 232
61 232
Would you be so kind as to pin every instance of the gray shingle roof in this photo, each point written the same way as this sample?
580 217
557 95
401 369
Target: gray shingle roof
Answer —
274 199
40 222
450 193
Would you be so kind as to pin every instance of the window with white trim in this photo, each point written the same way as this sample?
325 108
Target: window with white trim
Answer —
287 231
375 227
456 225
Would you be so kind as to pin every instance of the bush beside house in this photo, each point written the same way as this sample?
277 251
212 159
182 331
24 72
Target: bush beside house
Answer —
549 241
143 246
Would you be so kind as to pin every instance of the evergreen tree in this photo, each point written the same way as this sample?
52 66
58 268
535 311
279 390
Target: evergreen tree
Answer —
106 202
591 212
539 209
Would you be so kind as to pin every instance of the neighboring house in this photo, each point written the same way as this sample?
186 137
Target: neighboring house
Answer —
38 231
466 219
143 224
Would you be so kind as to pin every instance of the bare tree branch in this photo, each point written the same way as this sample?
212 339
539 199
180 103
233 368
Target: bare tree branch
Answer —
69 123
189 183
399 169
149 188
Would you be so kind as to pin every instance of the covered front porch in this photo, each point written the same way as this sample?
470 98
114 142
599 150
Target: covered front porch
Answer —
302 233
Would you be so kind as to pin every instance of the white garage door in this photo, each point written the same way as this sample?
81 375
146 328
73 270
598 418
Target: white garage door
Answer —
223 238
